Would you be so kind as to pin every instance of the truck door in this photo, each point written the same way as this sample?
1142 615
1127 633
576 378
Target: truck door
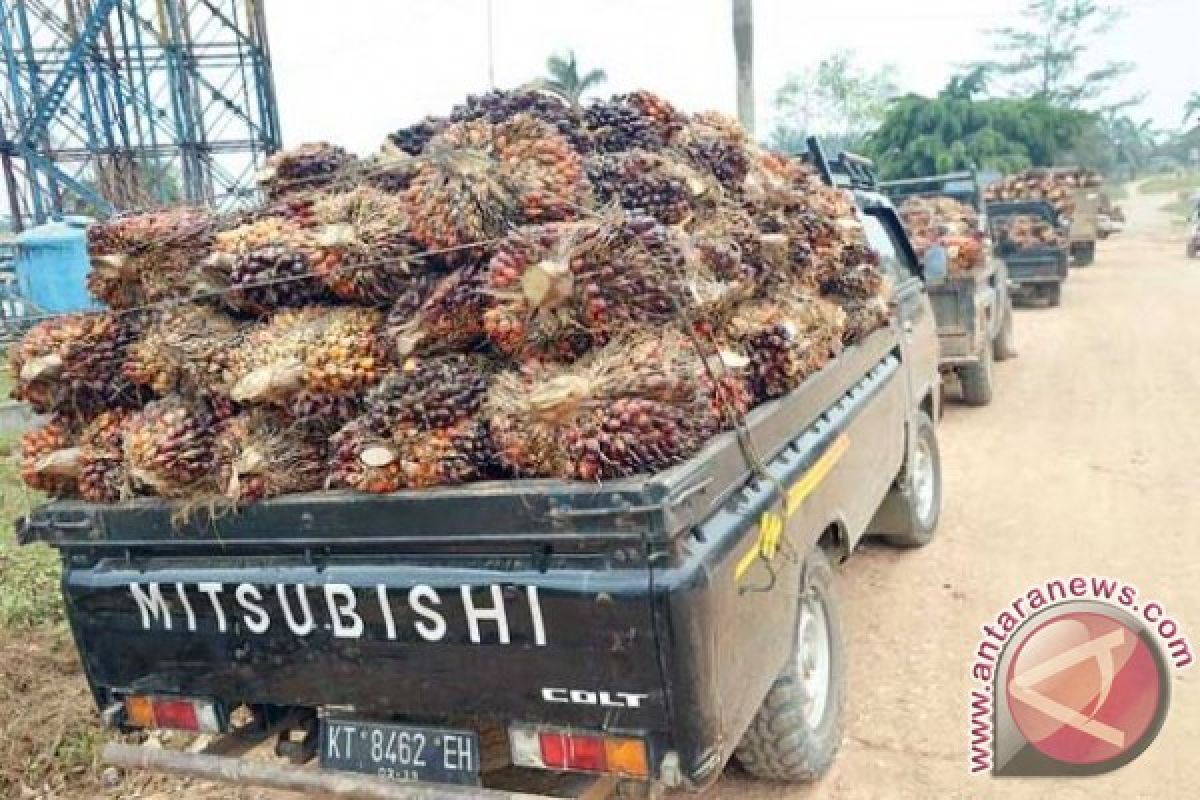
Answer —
919 340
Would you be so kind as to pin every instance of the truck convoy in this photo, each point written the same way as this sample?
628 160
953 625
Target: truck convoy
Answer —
971 302
648 628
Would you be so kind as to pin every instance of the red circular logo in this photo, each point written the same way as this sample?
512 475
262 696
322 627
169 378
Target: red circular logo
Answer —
1083 688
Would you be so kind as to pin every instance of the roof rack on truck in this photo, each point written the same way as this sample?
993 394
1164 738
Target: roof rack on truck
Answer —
845 170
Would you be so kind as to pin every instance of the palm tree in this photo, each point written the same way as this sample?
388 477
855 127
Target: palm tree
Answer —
565 79
1192 108
743 48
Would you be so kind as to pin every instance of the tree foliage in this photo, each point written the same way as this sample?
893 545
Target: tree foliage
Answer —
1192 108
1045 57
565 79
837 99
957 129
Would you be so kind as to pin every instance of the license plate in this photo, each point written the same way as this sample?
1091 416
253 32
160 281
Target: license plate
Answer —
401 752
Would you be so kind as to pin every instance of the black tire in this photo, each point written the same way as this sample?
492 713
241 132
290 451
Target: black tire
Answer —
1084 255
976 380
1053 294
1193 251
782 743
1004 346
919 524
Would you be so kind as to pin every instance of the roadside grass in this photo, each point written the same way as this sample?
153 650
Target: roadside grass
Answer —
6 384
1163 184
29 576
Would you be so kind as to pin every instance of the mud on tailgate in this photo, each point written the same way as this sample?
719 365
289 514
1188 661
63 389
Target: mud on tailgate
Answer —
564 646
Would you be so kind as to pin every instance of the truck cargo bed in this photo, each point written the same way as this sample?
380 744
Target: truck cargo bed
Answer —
491 515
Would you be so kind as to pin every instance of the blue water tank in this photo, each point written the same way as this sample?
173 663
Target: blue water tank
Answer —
52 266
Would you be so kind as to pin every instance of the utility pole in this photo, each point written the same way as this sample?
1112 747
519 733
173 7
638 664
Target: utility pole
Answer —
491 51
743 49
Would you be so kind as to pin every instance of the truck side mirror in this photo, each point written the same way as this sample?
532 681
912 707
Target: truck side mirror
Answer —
936 262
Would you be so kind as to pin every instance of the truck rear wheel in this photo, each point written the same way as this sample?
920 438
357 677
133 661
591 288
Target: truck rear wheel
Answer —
916 506
976 380
1004 345
1084 254
1053 294
798 730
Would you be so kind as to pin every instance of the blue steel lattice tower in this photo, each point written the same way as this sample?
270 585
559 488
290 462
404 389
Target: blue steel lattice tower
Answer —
110 105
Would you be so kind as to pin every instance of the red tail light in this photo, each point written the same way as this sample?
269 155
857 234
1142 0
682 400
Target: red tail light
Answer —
175 713
560 749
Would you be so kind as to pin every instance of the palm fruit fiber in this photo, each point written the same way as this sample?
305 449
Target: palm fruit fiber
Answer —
319 350
147 257
169 449
261 454
73 364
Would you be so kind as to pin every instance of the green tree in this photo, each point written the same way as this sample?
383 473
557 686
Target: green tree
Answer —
958 129
743 51
1192 108
566 80
837 99
1044 57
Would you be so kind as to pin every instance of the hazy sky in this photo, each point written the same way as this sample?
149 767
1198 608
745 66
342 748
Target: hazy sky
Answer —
353 70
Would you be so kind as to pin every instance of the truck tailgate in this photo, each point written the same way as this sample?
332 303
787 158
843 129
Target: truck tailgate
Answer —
430 637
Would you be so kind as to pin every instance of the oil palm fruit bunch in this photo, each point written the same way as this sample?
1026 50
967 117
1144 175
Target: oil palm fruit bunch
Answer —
391 170
412 140
313 165
785 339
546 169
50 457
855 280
168 448
716 143
146 257
370 461
102 475
555 289
261 454
637 120
449 318
185 349
274 277
364 246
863 317
73 363
664 187
548 107
321 413
637 405
320 350
427 393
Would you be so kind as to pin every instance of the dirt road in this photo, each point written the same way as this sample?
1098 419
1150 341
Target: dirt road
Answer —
1087 462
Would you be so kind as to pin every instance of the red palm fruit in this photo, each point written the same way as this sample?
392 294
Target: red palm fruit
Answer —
188 350
147 257
50 457
169 449
318 350
365 460
428 393
656 184
450 318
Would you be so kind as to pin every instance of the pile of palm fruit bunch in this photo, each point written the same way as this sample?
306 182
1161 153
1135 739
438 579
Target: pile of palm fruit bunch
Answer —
945 221
522 288
1016 232
1054 185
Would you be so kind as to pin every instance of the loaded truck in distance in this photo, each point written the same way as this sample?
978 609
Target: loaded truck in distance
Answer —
1030 237
645 629
947 221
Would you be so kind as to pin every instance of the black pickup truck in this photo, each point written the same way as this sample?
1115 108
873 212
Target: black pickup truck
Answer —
1036 270
647 628
973 308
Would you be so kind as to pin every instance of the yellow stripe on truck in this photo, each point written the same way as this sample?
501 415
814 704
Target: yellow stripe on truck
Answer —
771 523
